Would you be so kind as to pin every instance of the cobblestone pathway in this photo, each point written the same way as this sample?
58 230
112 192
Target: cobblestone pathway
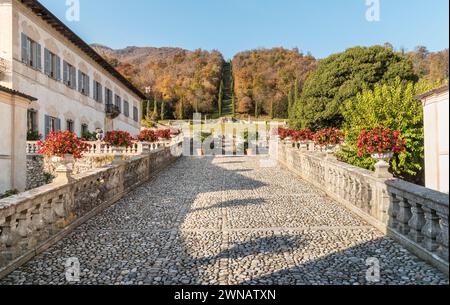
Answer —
226 221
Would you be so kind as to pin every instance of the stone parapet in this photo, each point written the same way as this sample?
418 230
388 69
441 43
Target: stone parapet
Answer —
414 216
33 221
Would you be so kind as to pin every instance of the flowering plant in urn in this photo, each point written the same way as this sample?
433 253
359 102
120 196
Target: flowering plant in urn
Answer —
329 137
118 138
62 145
303 135
380 142
148 135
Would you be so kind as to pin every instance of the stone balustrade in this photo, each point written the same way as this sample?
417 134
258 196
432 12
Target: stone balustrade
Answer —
97 148
414 216
32 148
32 221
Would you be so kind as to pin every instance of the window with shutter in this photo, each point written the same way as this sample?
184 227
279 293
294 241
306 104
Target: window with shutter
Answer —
47 63
58 68
80 82
24 48
47 126
65 73
38 57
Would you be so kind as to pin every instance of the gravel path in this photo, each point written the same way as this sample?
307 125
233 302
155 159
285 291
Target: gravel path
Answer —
226 220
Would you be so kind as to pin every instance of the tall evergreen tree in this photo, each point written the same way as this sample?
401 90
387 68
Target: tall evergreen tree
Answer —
143 109
163 110
220 100
155 110
148 113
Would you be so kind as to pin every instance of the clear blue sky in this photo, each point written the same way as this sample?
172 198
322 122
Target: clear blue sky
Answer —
322 27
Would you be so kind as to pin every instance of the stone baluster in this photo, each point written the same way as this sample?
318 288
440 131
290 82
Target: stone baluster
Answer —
393 211
8 239
442 237
24 229
59 207
416 222
431 229
38 223
49 218
403 215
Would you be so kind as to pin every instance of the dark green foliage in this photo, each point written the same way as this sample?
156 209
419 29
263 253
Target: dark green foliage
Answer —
33 135
341 77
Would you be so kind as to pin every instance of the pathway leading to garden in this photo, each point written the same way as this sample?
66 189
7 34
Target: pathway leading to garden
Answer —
226 220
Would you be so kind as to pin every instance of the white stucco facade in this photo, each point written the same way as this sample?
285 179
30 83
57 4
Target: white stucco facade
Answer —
55 98
436 120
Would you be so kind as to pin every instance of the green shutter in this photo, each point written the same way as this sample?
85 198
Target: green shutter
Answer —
58 125
65 73
47 68
24 48
38 57
47 126
58 68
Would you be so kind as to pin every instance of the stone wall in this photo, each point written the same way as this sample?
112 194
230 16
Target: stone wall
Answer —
35 172
33 221
414 216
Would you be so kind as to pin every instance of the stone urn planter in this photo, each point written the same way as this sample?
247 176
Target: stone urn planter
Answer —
64 168
330 150
382 166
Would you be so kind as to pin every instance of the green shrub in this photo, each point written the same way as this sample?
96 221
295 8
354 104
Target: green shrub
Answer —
33 135
395 107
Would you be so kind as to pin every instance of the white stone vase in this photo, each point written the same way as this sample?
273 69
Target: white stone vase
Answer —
382 166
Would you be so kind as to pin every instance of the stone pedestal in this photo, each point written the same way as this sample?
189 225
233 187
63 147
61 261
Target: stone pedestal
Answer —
382 170
63 175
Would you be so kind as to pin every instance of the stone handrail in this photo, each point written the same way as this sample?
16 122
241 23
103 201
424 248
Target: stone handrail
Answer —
413 215
32 221
102 148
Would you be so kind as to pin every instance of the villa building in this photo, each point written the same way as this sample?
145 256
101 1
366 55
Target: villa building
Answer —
436 123
63 83
75 88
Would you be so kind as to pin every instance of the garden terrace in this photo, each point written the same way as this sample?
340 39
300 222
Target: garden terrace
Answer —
309 219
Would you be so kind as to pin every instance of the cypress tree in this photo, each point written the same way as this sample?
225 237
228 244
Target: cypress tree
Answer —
149 110
163 110
296 97
220 98
155 109
143 110
233 105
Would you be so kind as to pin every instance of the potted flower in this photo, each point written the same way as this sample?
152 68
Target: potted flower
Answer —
382 144
328 139
302 137
148 135
285 135
120 140
63 147
164 135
